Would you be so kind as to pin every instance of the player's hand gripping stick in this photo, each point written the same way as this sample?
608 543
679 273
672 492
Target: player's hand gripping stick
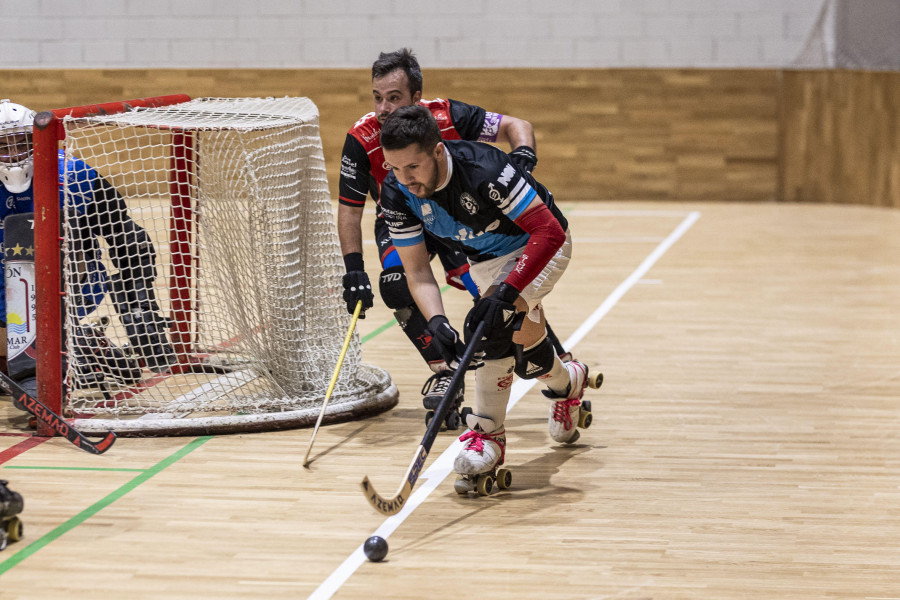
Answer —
391 506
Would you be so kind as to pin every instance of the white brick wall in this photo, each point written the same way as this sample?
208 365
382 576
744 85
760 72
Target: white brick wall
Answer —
349 33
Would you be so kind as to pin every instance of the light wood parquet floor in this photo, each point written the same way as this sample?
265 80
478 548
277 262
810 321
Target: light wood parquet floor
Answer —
745 445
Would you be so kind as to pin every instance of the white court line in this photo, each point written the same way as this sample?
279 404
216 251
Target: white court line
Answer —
443 465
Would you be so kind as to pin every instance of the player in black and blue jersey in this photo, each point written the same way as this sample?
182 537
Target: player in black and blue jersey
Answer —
471 195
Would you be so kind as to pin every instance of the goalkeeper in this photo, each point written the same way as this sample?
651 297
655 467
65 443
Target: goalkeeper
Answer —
397 82
95 210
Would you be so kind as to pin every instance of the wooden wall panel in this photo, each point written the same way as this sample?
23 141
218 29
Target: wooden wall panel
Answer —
602 134
841 137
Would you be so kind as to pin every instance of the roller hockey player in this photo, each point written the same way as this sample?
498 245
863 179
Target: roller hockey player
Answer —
518 246
95 210
397 82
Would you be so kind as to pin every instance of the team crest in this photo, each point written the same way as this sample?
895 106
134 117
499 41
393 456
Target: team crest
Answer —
468 203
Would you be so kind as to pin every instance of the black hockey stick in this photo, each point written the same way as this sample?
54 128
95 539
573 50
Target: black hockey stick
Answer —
56 422
391 506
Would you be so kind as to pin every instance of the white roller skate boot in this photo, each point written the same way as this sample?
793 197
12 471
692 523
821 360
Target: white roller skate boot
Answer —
568 412
477 463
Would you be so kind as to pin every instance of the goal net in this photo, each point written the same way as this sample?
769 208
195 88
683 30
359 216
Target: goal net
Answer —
854 35
201 272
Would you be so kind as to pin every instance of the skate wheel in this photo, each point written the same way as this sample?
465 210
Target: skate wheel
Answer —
463 486
428 417
595 381
585 406
464 413
453 421
484 484
584 419
4 540
504 479
15 529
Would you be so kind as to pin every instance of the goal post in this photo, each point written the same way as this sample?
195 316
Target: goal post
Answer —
202 294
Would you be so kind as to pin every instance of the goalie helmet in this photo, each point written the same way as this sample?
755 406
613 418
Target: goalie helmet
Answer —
16 161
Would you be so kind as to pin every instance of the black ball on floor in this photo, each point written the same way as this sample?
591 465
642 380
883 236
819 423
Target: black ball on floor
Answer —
375 548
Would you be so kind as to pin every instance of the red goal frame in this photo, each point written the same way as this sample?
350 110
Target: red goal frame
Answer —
48 133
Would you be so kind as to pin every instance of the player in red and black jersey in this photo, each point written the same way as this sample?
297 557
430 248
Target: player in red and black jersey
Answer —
397 82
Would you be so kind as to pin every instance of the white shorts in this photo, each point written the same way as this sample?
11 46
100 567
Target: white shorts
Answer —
494 271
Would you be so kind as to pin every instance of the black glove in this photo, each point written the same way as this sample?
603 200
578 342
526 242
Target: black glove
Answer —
357 287
524 158
446 340
498 312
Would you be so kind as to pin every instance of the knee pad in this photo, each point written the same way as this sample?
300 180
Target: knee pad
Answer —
394 289
536 361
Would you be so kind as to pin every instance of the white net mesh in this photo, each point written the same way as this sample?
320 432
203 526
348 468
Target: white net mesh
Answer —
850 34
204 292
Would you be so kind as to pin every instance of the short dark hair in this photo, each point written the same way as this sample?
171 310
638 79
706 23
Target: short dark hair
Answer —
403 59
410 125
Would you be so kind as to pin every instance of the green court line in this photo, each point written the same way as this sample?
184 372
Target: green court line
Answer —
25 467
145 474
100 505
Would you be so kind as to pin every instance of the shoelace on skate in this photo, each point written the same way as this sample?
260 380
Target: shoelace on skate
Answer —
439 382
561 412
476 441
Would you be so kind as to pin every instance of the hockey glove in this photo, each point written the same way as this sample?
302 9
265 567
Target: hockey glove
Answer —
448 344
498 311
357 287
524 158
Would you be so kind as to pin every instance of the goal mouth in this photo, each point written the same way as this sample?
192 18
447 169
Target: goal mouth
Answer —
201 272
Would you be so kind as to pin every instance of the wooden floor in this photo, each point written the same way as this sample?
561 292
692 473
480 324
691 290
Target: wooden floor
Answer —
745 445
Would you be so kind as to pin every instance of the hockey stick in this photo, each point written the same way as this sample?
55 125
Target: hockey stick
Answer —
334 376
391 506
56 422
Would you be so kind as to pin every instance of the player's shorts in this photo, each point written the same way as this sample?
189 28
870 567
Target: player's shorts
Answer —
493 272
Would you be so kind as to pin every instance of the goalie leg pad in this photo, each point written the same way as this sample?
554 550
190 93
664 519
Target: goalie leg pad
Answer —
535 361
144 324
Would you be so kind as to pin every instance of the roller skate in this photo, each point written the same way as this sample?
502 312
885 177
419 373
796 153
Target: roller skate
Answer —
477 464
567 412
11 504
433 392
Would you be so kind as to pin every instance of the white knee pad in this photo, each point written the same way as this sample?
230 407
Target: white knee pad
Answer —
492 383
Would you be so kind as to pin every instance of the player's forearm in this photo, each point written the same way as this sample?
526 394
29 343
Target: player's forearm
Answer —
516 132
349 226
420 279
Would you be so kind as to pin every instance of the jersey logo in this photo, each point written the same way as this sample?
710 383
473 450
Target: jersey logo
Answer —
427 215
507 175
468 203
494 193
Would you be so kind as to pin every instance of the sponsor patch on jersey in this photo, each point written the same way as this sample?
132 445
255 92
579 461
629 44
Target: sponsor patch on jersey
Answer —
348 168
494 193
507 175
468 203
491 127
427 214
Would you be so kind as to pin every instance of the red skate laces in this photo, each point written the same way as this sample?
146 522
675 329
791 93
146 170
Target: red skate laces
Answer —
476 441
561 413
